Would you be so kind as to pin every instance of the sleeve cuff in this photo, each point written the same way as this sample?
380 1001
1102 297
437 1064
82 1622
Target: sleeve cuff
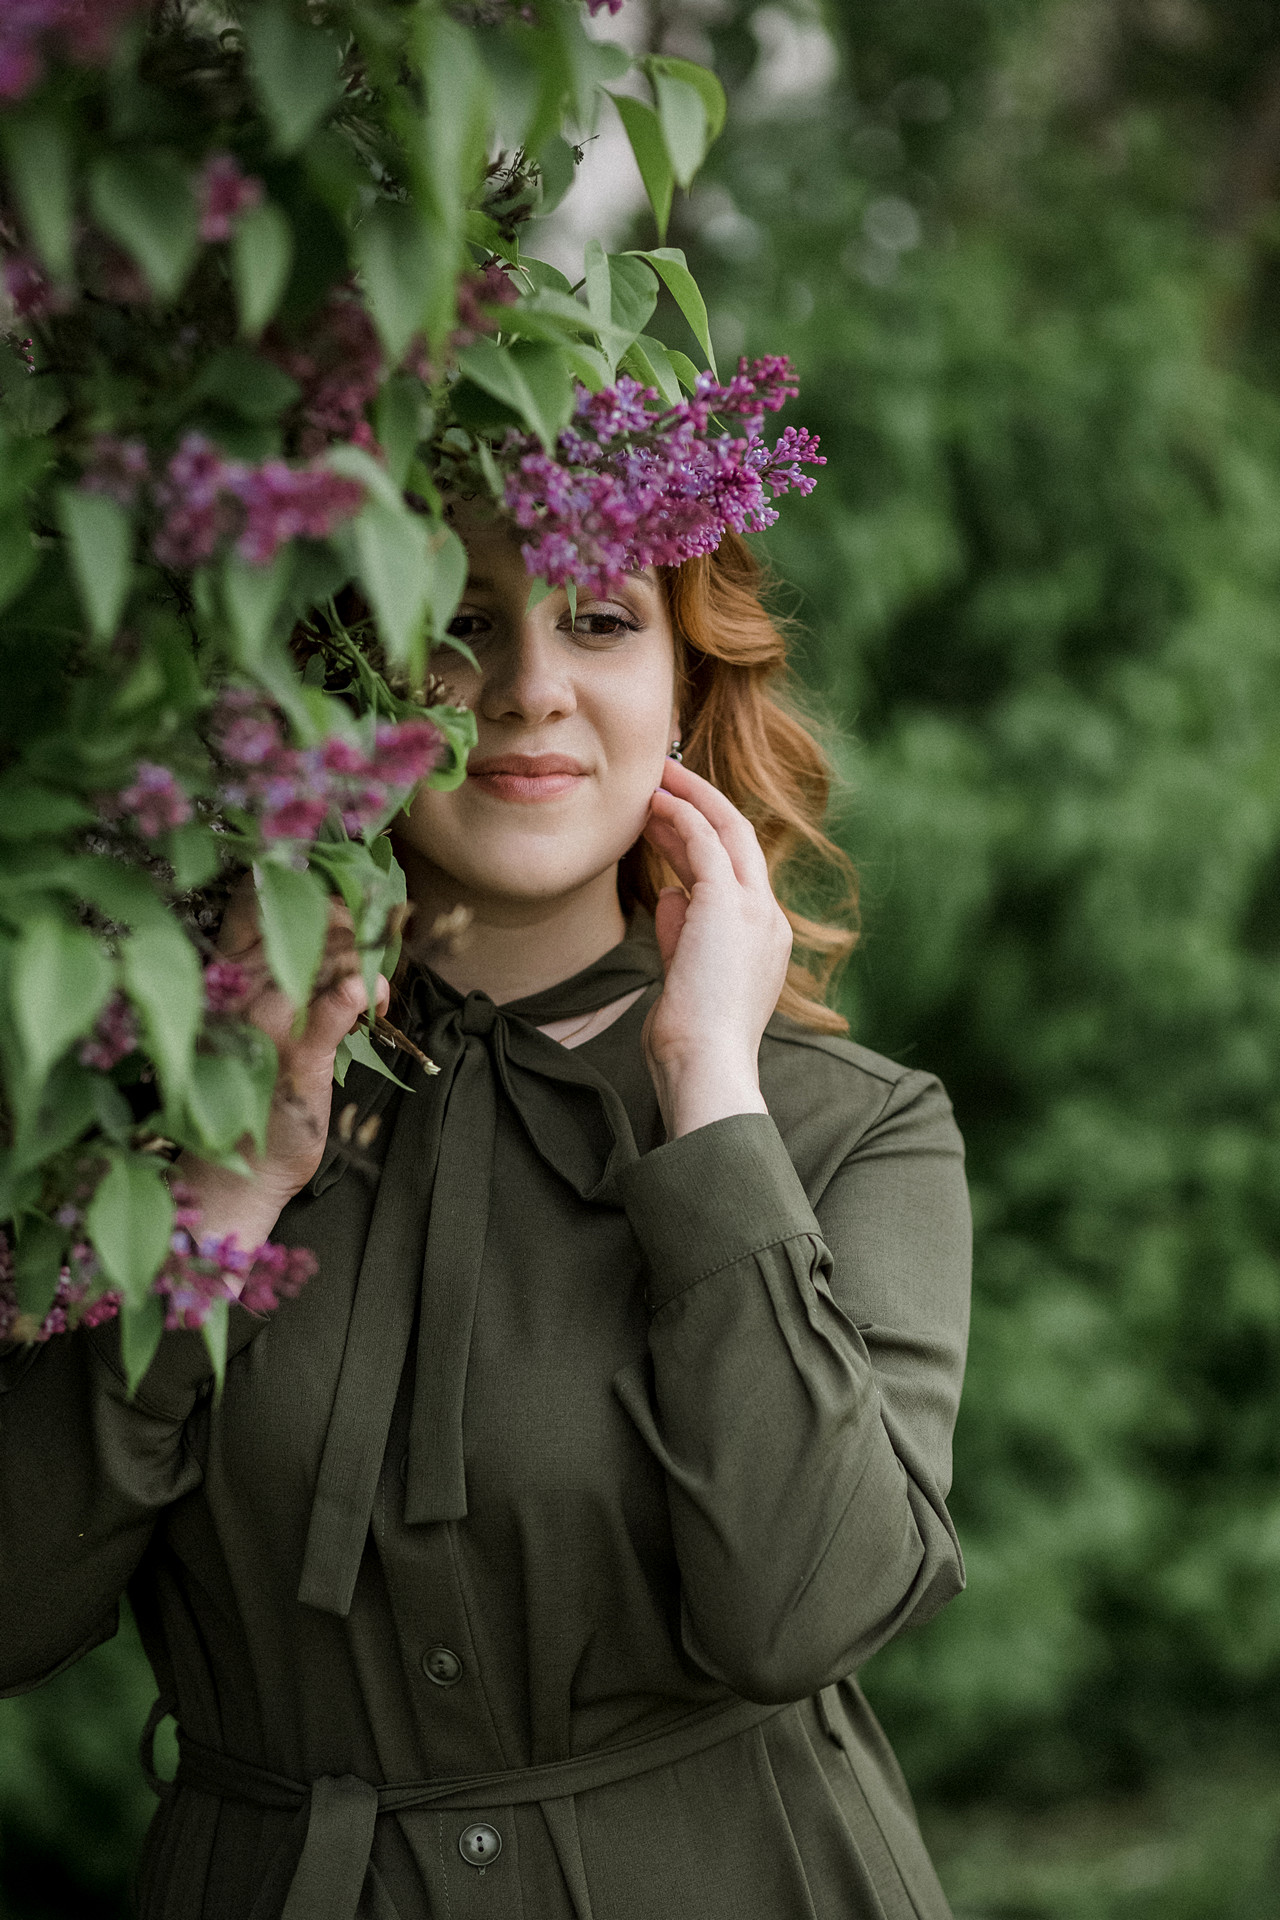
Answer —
713 1197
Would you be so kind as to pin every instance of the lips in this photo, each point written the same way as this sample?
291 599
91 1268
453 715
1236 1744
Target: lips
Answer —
526 776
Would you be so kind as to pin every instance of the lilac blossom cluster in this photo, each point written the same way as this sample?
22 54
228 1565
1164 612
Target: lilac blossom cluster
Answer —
115 1032
634 484
291 790
200 1270
203 500
224 193
337 362
34 31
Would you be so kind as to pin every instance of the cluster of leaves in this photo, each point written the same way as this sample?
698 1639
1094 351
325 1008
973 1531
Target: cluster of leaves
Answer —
1042 583
267 301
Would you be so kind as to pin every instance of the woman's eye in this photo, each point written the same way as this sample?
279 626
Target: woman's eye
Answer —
602 626
467 626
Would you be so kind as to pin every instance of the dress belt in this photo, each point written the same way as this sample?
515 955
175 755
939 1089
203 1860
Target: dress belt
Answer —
341 1809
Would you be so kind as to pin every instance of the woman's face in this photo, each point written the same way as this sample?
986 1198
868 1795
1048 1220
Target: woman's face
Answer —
575 718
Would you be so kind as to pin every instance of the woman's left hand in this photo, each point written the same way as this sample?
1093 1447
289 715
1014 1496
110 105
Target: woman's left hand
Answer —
725 943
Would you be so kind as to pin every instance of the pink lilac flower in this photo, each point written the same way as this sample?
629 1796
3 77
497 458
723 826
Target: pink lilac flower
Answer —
598 6
634 484
204 499
155 801
337 361
490 287
291 791
32 294
226 986
114 1037
283 503
224 194
118 468
31 30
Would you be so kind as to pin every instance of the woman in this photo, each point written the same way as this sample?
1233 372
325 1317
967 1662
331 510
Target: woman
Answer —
523 1567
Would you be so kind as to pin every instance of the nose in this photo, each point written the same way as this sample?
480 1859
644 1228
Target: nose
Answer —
528 678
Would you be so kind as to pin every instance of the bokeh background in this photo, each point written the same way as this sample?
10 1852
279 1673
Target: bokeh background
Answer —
1026 255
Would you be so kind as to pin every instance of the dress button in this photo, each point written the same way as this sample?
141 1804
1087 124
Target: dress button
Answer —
479 1845
442 1665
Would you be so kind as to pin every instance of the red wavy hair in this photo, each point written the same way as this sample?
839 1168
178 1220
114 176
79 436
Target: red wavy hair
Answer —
741 729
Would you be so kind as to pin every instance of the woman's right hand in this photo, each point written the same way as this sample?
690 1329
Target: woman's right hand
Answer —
299 1120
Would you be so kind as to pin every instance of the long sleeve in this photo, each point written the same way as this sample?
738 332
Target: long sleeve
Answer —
83 1474
806 1359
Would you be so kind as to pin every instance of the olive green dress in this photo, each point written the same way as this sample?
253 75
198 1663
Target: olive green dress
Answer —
522 1569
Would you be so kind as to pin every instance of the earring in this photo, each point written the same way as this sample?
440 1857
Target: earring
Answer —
674 752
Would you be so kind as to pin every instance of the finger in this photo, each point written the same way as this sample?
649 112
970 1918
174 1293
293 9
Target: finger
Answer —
735 830
669 912
684 835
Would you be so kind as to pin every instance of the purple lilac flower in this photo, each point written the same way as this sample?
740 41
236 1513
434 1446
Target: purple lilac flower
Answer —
225 193
633 484
205 499
291 791
32 294
31 30
114 1037
337 362
226 986
118 468
155 801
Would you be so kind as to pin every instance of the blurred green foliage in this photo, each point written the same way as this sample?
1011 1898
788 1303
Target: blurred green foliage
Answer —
1027 256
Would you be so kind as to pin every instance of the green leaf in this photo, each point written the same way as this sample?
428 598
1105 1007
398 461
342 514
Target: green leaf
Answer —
295 69
129 1221
145 202
18 559
683 368
38 149
246 384
674 268
447 578
29 811
122 892
360 1049
60 981
192 852
215 1340
683 119
452 134
647 361
163 978
293 909
226 1100
390 545
403 265
252 597
644 131
556 168
533 381
37 1264
701 79
633 293
30 403
99 536
261 257
401 419
141 1325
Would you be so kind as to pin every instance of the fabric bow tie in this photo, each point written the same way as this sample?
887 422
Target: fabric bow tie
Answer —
439 1167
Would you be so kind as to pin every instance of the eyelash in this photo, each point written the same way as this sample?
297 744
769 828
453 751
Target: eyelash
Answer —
616 623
